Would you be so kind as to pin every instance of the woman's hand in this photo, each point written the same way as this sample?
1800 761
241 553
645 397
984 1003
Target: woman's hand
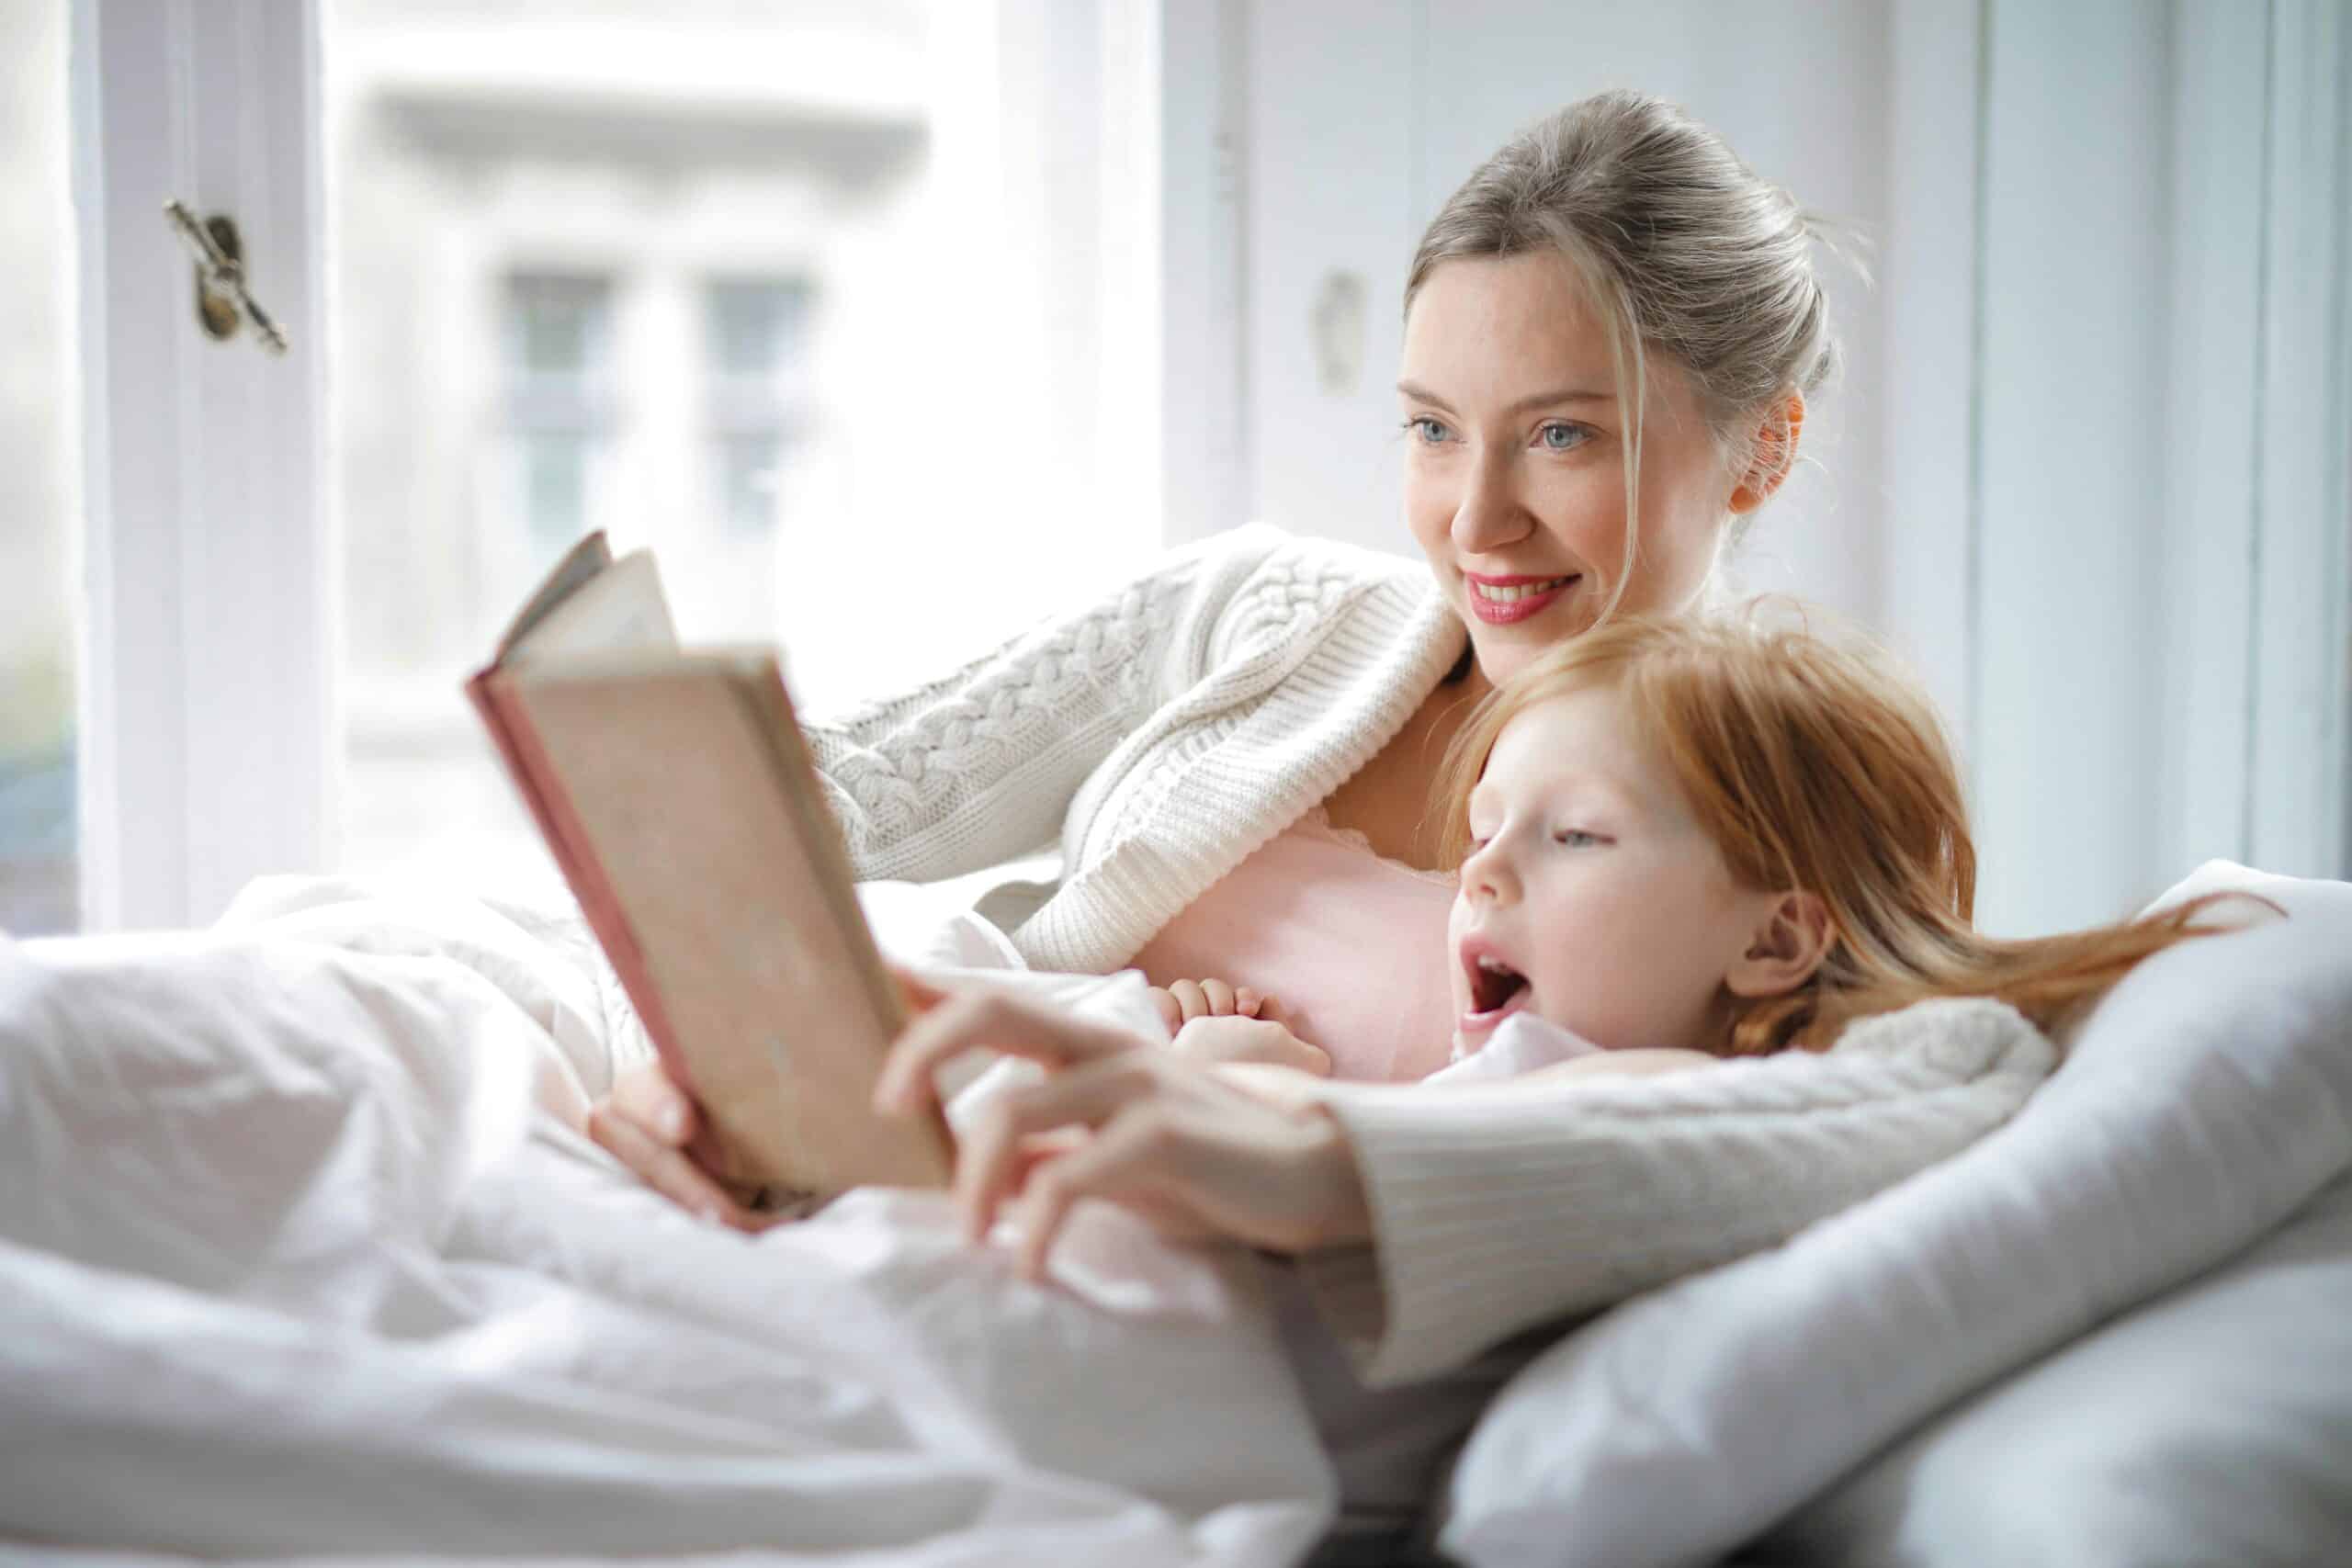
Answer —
1124 1119
652 1126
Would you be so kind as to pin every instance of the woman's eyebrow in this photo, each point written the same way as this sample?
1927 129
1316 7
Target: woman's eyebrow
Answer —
1421 394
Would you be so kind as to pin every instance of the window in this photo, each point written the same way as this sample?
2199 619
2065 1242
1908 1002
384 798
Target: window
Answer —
795 294
559 352
577 259
39 492
755 352
737 282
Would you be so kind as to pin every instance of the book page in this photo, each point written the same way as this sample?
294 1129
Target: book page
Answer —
619 608
590 556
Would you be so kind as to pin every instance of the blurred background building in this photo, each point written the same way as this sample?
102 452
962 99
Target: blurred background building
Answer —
617 266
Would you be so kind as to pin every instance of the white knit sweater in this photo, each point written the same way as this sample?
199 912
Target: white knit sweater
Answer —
1162 734
1168 731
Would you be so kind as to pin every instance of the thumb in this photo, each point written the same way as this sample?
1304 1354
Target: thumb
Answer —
920 995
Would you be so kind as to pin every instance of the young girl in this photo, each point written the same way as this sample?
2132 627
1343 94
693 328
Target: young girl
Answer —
1683 840
1682 845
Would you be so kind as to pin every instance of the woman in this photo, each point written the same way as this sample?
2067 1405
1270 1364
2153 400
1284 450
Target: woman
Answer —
1610 330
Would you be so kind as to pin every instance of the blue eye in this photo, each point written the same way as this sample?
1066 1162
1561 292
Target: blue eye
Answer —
1577 837
1560 436
1430 432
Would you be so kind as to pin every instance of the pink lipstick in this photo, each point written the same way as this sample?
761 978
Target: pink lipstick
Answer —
1499 601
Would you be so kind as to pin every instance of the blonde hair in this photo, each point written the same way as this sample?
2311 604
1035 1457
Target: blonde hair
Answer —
1683 251
1818 768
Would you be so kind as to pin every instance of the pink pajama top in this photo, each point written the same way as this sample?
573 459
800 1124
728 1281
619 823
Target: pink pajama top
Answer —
1352 944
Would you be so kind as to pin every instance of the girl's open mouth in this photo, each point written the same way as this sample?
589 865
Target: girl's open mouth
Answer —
1497 990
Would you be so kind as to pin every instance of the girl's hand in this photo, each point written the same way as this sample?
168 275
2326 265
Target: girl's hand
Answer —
653 1127
1253 1040
1123 1120
1185 1000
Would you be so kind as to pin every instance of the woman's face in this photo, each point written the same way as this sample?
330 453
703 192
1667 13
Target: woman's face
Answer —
1516 442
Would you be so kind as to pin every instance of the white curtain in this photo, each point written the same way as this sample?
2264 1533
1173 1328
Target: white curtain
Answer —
2160 430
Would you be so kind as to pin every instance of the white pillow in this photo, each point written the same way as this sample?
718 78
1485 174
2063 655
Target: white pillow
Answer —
2205 1099
2213 1425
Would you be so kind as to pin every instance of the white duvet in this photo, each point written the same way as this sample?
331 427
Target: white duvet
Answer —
298 1254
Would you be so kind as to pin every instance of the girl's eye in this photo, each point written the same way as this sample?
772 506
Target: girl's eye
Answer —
1430 432
1577 837
1560 436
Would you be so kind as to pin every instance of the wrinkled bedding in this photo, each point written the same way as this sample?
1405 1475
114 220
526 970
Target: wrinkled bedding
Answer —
300 1253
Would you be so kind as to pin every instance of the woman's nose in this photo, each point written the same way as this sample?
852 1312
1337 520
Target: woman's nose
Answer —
1489 516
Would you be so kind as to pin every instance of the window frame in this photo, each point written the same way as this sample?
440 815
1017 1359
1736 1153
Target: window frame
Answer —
209 728
206 703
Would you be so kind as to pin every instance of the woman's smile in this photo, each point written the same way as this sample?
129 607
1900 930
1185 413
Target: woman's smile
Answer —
1498 601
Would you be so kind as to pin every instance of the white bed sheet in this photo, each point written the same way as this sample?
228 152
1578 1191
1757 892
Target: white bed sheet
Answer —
298 1256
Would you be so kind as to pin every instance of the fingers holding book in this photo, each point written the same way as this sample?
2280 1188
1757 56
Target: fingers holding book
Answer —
651 1125
1187 1145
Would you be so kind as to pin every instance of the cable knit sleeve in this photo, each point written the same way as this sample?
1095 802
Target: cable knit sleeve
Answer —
980 766
1494 1208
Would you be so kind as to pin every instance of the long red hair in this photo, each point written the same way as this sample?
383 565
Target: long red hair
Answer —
1818 767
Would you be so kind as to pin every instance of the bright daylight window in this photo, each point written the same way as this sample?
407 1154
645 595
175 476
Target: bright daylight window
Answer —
718 278
560 370
38 483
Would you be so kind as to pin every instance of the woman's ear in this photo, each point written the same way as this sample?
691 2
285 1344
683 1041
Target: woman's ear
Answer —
1788 945
1773 455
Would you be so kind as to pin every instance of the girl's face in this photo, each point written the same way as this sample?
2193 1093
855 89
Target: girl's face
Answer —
1593 899
1516 443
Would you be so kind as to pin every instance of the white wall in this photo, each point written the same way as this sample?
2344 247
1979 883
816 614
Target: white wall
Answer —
2162 442
2073 371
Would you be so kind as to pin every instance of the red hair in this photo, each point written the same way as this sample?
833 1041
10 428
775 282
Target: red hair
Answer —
1820 768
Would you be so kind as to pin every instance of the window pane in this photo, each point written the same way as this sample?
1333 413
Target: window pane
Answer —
40 489
555 470
748 466
764 288
558 325
757 327
756 367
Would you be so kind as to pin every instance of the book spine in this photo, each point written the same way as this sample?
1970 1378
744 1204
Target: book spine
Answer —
537 780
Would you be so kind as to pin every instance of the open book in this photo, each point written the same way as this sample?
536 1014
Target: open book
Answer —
677 795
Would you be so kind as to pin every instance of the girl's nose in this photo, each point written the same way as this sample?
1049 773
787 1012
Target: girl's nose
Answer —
1489 516
1487 874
